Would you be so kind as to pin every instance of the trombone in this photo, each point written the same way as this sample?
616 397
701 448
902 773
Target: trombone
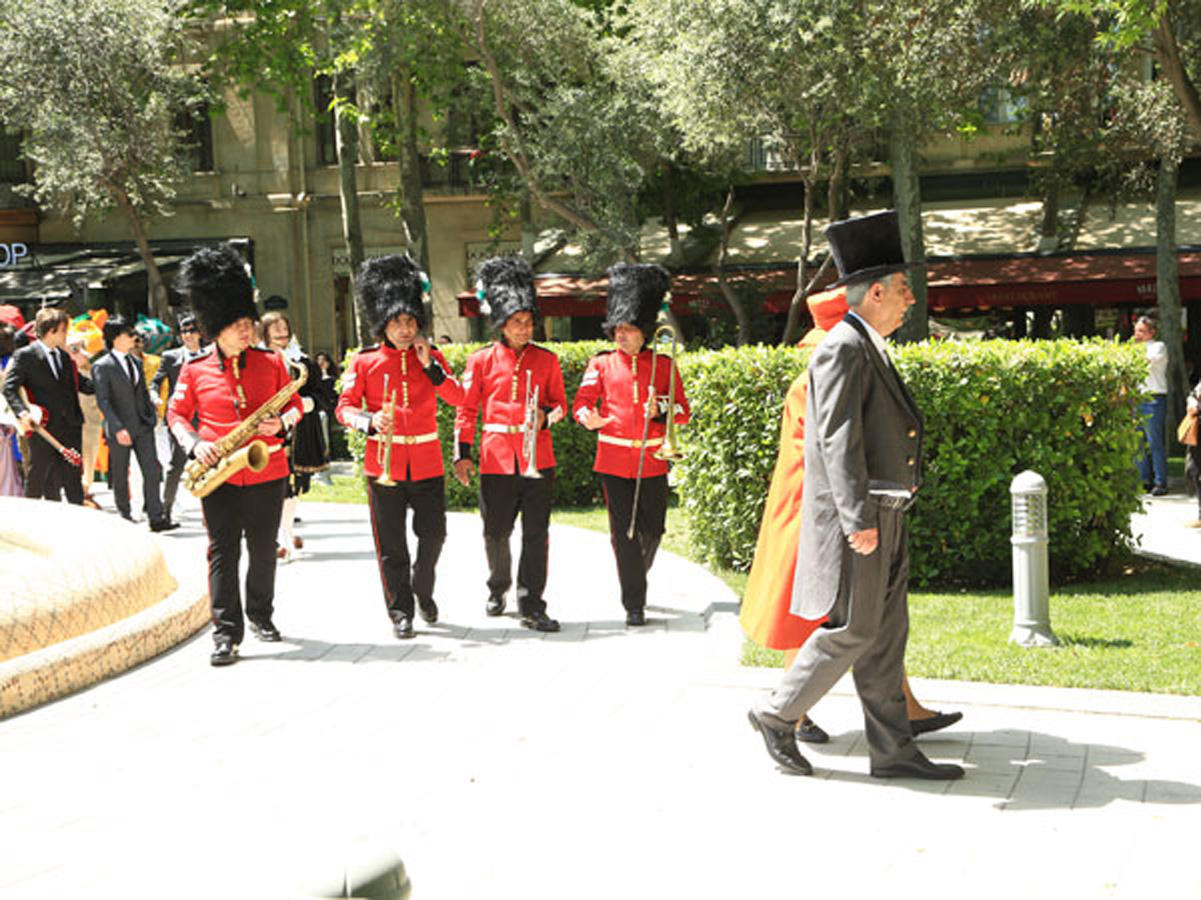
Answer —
670 448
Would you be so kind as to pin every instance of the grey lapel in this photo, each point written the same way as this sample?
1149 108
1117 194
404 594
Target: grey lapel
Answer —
884 368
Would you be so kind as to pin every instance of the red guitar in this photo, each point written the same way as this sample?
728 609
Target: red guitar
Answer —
71 456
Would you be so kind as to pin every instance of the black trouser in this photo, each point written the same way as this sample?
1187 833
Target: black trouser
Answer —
118 474
50 475
389 511
175 469
635 556
231 513
501 498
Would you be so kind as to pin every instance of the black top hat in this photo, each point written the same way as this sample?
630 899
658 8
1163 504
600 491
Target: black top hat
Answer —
506 286
218 286
867 248
636 292
392 286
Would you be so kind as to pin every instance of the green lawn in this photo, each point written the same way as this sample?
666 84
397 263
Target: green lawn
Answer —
1140 631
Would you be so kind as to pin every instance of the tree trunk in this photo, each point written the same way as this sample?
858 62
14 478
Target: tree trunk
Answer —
156 291
797 305
1167 54
346 134
411 190
676 253
1049 230
732 299
1167 289
907 196
838 199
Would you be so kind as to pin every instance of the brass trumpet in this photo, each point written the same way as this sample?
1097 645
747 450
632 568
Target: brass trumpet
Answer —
383 449
529 431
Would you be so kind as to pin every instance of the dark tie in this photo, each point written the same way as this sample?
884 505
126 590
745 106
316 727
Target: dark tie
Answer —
133 375
52 358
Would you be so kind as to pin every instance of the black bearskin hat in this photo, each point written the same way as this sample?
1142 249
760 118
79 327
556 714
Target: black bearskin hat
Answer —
392 286
114 327
506 286
866 248
218 287
636 293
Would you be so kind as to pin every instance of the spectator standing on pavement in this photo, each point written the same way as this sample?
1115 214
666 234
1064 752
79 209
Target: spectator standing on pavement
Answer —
306 447
10 472
328 397
172 364
129 419
93 422
1153 460
49 379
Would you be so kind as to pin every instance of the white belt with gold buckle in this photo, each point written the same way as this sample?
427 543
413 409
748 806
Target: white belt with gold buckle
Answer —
629 442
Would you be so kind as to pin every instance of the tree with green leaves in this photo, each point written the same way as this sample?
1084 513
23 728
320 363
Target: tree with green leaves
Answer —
97 88
731 70
394 51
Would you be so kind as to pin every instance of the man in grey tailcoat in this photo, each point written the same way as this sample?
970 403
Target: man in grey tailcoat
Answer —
863 444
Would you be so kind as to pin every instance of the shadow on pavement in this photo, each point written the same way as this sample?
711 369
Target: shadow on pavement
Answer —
1023 770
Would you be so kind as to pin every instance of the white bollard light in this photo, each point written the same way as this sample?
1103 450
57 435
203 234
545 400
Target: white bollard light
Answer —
1031 590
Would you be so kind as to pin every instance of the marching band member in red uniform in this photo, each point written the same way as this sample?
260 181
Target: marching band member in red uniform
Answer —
501 381
221 387
628 388
394 386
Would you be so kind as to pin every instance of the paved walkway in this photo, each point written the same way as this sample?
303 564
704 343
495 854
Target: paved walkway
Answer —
598 762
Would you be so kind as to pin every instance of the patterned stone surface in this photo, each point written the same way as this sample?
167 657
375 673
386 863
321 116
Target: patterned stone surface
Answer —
86 597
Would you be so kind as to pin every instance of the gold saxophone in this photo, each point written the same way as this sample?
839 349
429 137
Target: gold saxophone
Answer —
202 480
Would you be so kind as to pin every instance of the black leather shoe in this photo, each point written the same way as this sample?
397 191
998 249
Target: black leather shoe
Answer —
1159 491
496 605
921 767
164 525
936 722
225 653
403 628
264 631
811 733
127 517
781 746
429 610
635 617
539 621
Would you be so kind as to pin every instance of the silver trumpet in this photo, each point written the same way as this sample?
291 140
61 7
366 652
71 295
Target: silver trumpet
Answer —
529 431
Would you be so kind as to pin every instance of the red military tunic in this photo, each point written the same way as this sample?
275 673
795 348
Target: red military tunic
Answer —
620 383
495 382
416 451
221 392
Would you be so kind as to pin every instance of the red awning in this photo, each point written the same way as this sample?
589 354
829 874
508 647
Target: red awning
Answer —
1100 279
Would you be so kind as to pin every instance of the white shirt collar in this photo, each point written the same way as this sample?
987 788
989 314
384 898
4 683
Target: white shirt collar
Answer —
877 341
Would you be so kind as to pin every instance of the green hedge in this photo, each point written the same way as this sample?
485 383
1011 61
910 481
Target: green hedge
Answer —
575 448
993 408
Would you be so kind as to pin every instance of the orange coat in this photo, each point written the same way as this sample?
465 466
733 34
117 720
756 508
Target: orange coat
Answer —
765 614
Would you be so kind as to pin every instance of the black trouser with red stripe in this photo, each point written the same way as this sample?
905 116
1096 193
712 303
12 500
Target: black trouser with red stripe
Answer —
635 556
389 512
501 498
232 512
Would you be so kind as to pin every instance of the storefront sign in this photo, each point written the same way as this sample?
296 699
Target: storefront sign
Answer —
12 254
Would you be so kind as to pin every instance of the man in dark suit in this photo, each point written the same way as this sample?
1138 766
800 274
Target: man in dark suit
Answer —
168 370
129 418
863 444
51 382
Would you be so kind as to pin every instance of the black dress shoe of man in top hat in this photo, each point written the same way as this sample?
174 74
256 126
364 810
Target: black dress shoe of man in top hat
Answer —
781 745
919 767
